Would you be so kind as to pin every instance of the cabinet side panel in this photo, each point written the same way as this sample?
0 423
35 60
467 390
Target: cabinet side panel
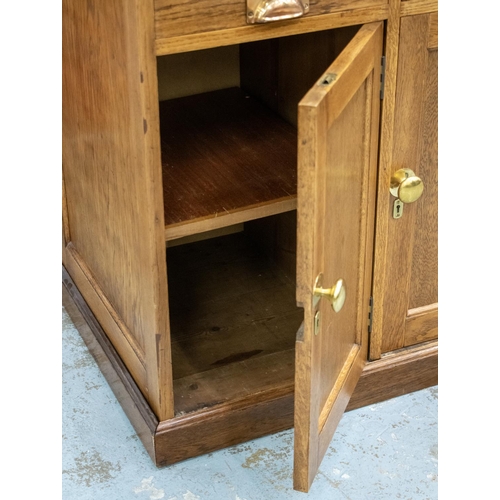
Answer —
111 162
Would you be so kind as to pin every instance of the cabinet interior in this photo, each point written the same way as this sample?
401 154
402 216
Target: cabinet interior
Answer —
228 119
233 315
228 122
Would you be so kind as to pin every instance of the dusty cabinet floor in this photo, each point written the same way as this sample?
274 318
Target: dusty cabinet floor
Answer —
384 451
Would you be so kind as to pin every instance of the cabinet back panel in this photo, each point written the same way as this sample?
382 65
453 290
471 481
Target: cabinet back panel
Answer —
191 73
280 71
276 237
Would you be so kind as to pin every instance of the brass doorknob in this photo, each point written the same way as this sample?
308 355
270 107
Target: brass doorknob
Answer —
406 186
336 295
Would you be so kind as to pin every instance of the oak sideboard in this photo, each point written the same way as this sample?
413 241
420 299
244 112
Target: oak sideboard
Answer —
250 211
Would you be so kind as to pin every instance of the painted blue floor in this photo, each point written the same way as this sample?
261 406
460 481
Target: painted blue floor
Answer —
385 451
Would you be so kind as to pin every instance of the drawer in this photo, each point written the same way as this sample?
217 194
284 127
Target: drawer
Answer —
176 19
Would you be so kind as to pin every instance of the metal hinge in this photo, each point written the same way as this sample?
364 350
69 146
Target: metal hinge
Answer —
382 77
370 315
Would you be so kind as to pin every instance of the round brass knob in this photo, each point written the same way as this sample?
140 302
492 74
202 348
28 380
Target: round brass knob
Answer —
336 295
406 186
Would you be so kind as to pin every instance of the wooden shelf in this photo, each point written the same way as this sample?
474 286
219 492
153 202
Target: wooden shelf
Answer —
226 159
233 319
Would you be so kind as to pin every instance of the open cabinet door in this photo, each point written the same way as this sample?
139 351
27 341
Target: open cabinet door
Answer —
338 140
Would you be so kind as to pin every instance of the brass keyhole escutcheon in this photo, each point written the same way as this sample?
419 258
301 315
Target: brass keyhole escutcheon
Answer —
335 295
406 186
316 322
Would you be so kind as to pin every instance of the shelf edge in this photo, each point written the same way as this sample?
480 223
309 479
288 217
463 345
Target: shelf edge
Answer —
217 221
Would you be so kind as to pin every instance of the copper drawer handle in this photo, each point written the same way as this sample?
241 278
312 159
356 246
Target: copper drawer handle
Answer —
265 11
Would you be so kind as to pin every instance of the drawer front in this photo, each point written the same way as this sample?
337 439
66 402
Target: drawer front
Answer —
175 18
416 7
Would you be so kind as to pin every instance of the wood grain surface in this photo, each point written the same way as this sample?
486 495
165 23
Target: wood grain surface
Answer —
223 153
226 159
117 332
338 152
416 7
421 324
250 33
406 254
381 263
112 172
174 18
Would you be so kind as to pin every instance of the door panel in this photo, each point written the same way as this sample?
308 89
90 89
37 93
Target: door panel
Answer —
423 285
408 302
338 137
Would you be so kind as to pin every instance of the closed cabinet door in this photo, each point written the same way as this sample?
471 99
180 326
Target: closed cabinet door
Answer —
406 257
338 125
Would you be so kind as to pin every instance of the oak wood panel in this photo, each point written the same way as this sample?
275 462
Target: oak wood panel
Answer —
338 140
415 7
409 96
343 240
111 162
408 245
126 336
223 153
231 423
424 257
175 18
235 381
396 374
381 264
225 425
107 316
421 325
433 31
250 33
191 435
